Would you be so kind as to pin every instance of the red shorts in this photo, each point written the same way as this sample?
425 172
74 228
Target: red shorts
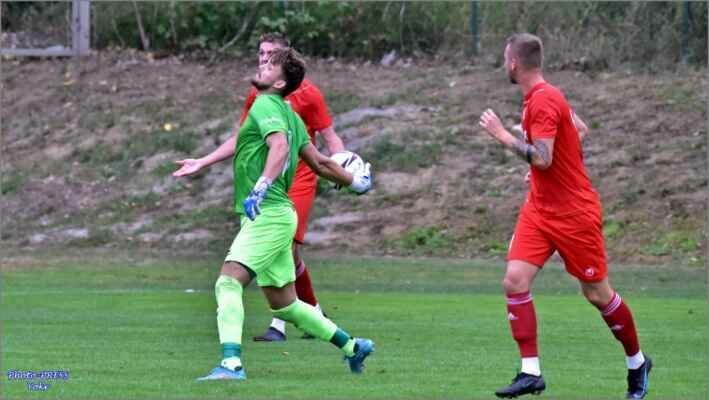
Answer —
578 238
302 198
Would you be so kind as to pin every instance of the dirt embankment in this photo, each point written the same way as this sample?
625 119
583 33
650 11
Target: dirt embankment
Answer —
88 145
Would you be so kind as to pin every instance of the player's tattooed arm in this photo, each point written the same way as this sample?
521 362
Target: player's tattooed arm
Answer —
538 153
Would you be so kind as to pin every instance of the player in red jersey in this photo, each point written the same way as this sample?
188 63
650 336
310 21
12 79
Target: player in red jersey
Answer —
562 213
308 102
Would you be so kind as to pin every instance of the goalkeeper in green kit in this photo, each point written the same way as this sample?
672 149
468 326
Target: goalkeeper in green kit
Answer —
269 143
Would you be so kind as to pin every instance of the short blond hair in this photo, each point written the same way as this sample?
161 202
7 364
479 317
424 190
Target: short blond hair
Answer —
528 49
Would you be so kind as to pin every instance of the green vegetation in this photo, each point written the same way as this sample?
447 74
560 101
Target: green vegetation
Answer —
339 101
439 327
211 215
223 220
120 160
424 240
10 183
612 228
682 97
613 33
393 156
164 169
672 243
183 142
99 154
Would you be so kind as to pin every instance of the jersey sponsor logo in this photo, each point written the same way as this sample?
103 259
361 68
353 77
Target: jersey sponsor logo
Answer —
270 120
511 317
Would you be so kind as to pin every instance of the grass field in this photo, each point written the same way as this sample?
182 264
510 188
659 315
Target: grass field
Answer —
129 328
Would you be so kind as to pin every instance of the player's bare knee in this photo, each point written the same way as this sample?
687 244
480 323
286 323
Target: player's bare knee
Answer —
237 271
280 297
598 293
514 284
594 296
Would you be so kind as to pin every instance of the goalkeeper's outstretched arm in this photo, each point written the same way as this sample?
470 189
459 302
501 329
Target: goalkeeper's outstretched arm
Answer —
191 166
324 166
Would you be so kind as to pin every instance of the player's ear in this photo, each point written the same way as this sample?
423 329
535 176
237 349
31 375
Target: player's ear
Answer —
279 84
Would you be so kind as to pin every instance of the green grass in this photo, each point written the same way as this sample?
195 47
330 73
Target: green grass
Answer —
424 240
10 183
341 101
127 329
682 97
407 158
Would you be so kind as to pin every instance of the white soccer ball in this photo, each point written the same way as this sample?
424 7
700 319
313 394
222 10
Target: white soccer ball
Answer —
348 160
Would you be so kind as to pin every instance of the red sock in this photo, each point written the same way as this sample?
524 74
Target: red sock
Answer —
303 286
620 320
523 321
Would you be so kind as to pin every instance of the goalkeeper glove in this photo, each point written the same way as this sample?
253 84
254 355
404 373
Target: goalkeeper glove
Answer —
256 196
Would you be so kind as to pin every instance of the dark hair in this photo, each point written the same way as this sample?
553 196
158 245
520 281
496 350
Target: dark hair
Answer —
528 49
292 67
274 37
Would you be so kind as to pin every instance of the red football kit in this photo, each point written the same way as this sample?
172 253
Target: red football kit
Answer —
308 102
562 211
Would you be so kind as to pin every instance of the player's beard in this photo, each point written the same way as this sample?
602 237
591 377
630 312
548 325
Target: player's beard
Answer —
510 74
260 86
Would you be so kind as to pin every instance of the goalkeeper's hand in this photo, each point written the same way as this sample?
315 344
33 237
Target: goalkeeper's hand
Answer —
255 197
362 180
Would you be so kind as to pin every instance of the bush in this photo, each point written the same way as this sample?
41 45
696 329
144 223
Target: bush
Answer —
644 34
425 240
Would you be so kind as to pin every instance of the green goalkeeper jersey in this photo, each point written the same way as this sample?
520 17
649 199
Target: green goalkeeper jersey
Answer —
267 115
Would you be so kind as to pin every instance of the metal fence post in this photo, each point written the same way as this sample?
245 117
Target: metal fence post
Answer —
81 26
474 48
684 42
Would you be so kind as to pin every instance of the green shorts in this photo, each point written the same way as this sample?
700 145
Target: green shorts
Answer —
264 246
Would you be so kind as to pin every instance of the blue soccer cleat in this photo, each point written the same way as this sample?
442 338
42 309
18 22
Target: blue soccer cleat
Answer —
364 347
221 373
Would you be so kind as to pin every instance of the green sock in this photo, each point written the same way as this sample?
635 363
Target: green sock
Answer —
230 310
306 317
344 341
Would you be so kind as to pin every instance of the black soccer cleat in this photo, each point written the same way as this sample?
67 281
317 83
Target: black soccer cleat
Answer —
638 380
522 384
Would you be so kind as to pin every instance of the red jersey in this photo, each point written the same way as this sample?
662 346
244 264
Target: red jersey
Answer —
563 188
308 102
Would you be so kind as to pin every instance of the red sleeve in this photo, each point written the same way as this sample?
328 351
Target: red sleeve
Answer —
545 118
317 117
247 105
